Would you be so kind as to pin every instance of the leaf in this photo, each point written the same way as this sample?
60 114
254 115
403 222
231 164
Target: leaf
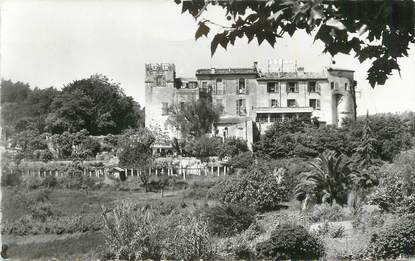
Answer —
270 39
276 15
335 24
269 3
202 30
219 39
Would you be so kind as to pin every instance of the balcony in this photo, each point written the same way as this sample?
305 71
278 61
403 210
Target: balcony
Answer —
283 109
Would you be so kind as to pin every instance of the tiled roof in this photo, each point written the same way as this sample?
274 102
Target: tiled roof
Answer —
227 71
292 76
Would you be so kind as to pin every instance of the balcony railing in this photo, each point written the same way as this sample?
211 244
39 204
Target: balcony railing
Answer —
283 109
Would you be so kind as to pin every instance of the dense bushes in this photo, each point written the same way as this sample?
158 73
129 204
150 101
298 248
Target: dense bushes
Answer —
8 179
294 138
327 212
28 225
241 161
229 219
199 188
394 240
142 234
290 242
396 188
256 188
232 147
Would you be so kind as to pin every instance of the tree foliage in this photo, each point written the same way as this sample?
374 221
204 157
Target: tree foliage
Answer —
256 188
382 136
202 147
232 147
291 242
94 104
194 118
136 152
23 108
328 181
377 31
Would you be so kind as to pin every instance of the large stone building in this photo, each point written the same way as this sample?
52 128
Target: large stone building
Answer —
252 100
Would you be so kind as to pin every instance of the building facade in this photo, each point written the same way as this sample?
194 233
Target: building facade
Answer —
251 100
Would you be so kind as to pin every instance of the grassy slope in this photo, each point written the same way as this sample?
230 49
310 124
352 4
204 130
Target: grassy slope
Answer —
69 202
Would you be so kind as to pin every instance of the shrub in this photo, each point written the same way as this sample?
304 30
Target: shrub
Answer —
394 240
232 146
199 188
189 239
290 242
27 225
242 251
143 234
257 188
229 219
31 182
407 205
241 161
167 207
327 212
365 218
49 182
10 179
330 230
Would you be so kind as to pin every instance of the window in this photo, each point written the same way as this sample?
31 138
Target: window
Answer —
272 87
160 81
346 86
274 103
240 107
312 87
292 87
241 86
261 117
275 117
332 85
219 87
164 108
291 103
181 105
315 104
204 85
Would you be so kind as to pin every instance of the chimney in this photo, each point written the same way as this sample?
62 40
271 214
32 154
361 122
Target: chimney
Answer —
300 70
256 66
212 70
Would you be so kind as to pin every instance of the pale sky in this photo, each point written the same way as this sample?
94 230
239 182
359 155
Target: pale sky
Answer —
47 43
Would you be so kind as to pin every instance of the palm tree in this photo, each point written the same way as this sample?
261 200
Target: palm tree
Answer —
327 182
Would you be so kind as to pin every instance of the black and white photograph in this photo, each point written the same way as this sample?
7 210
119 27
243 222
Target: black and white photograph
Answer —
207 130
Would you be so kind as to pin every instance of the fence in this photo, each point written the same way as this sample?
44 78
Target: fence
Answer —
101 172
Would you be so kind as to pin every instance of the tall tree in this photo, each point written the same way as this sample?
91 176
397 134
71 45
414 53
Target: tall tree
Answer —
194 118
378 31
366 151
95 104
136 152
